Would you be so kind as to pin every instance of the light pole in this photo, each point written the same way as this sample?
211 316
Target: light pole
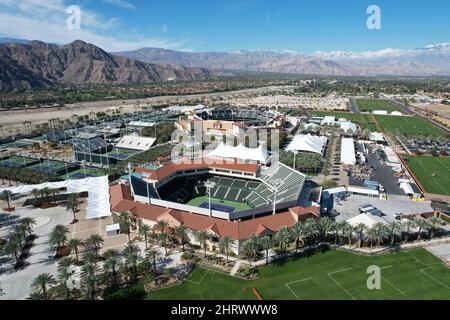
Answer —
209 185
275 184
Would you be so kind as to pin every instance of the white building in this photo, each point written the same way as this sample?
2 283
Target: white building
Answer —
328 120
250 155
348 151
135 143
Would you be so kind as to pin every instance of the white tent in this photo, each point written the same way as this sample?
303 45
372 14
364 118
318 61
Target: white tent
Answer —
348 151
366 219
348 125
97 188
307 143
135 143
328 120
224 151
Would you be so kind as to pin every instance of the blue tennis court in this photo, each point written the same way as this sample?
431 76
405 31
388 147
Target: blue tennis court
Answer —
217 207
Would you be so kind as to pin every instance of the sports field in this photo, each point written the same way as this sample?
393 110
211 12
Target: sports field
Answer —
432 172
409 126
17 161
49 166
414 274
363 120
370 105
80 173
239 206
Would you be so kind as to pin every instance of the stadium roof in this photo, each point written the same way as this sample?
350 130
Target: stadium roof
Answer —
225 151
121 201
136 143
348 151
307 143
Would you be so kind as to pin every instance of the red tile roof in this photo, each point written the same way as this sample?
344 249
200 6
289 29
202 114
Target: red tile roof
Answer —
238 230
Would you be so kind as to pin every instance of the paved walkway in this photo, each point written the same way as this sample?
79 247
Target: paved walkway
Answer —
236 267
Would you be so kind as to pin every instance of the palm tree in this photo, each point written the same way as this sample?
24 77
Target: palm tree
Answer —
125 224
337 229
325 225
144 230
374 236
407 226
162 225
422 225
251 248
36 193
42 283
266 244
153 255
298 232
28 223
312 228
283 237
162 239
347 230
89 273
63 276
132 255
112 262
94 242
202 237
225 244
58 236
73 245
6 196
360 228
12 248
394 229
72 205
433 222
181 232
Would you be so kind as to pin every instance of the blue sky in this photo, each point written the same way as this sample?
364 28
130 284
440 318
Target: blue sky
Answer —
212 25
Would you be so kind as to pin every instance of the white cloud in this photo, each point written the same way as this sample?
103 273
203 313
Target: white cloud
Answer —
45 20
122 4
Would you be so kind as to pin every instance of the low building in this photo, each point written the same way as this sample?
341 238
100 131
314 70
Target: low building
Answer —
135 143
308 143
348 151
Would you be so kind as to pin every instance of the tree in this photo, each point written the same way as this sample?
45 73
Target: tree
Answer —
144 230
152 255
266 244
434 221
202 237
28 223
42 283
325 224
125 224
73 245
360 228
298 232
132 255
283 237
72 205
6 196
251 248
312 228
112 262
395 229
162 225
12 248
225 244
94 242
58 236
181 233
89 273
162 239
422 225
407 226
63 276
374 236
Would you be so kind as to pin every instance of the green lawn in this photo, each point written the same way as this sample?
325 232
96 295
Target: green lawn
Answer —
425 167
409 126
414 274
376 104
239 206
363 120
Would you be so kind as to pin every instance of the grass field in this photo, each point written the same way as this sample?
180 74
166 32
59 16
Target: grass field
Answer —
424 167
376 104
363 120
239 206
414 274
409 126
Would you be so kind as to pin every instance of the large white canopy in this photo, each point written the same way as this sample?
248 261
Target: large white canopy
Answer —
366 219
307 143
346 125
136 143
348 151
240 152
97 188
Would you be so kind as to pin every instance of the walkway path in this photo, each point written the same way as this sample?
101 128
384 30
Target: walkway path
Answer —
236 267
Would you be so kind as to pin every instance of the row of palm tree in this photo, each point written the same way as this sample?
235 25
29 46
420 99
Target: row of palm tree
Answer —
16 244
45 195
24 175
118 267
327 230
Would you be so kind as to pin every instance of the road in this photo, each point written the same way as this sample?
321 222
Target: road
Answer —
352 105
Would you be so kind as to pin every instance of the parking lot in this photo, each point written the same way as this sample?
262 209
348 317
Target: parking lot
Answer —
394 204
